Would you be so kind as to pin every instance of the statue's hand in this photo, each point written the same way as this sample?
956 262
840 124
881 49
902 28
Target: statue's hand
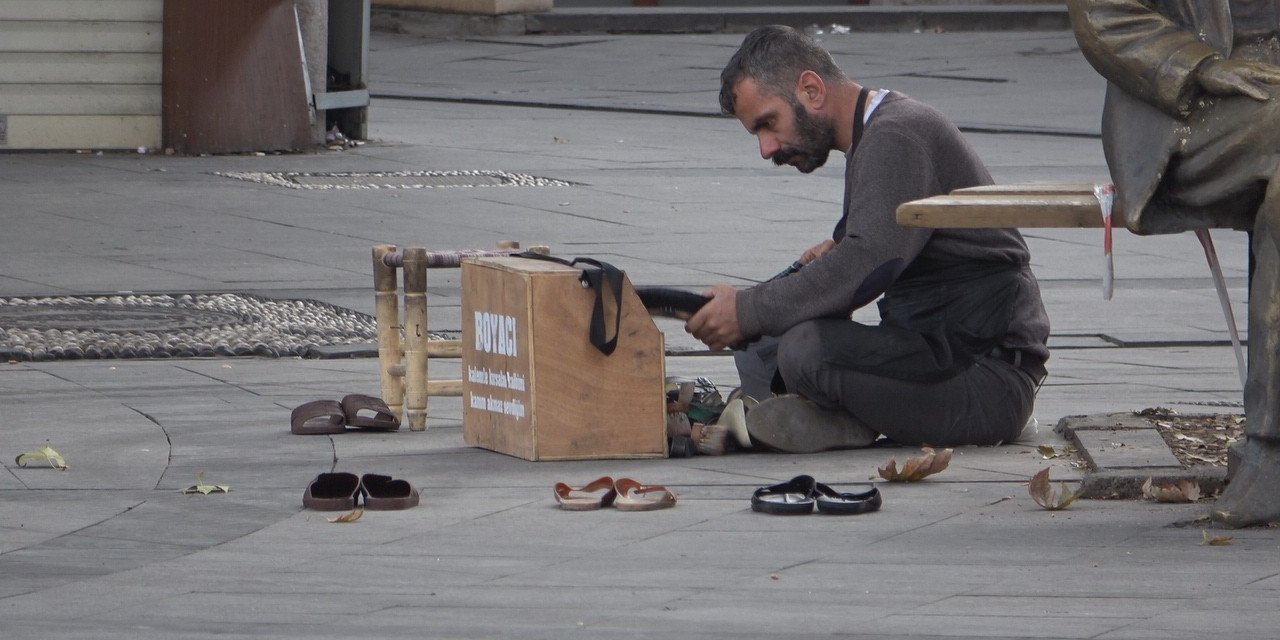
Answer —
1225 77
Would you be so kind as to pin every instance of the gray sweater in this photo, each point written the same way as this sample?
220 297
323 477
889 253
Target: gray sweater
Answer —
908 151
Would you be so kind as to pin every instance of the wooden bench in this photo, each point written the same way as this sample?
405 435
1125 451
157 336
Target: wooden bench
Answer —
1037 205
1063 205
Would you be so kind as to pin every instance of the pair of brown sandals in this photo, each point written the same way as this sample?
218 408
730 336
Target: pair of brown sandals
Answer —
623 494
341 491
356 410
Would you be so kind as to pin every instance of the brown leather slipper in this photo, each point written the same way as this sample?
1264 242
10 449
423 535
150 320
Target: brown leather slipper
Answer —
332 492
369 412
383 493
633 496
317 417
599 493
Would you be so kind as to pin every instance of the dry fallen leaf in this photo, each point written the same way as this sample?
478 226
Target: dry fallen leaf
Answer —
205 489
43 454
1214 541
1180 491
1048 452
918 467
350 516
1044 494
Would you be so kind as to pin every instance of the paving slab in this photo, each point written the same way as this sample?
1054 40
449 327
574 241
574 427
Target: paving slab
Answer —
1124 451
676 195
1119 441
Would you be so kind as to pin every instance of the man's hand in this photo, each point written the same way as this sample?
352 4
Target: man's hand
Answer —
716 323
1225 77
816 250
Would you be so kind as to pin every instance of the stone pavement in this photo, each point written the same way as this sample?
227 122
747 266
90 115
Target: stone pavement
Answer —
664 189
940 16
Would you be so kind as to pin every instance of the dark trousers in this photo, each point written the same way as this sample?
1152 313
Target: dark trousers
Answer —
987 403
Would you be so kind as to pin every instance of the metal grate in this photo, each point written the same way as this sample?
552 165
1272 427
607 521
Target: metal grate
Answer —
395 179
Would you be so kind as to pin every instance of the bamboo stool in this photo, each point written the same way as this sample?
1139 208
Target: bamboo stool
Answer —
405 385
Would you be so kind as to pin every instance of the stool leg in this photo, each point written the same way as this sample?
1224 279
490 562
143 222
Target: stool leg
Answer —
387 313
415 336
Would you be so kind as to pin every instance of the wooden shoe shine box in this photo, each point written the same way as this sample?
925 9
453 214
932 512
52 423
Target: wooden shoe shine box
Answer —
533 384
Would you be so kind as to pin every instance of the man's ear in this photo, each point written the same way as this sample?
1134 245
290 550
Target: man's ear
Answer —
811 91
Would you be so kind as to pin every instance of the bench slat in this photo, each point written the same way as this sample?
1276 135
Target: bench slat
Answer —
983 211
1029 189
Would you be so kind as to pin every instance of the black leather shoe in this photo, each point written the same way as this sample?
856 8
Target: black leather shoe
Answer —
791 498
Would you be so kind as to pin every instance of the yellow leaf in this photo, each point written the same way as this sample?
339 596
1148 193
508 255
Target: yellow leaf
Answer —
916 468
205 489
1046 496
1049 452
350 516
1214 541
43 454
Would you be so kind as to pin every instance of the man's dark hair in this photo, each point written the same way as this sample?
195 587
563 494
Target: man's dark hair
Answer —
775 56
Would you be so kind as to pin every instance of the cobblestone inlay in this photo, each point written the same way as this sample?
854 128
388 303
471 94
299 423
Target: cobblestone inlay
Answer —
181 326
395 179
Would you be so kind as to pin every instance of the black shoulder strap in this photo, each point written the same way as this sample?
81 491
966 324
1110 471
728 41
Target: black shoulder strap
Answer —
596 275
859 114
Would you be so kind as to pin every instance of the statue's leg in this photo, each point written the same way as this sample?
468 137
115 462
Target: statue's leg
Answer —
1253 494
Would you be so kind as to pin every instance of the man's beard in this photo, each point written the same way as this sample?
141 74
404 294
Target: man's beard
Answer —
816 139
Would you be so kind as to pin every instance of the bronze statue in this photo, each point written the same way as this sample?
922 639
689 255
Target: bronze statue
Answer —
1191 133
